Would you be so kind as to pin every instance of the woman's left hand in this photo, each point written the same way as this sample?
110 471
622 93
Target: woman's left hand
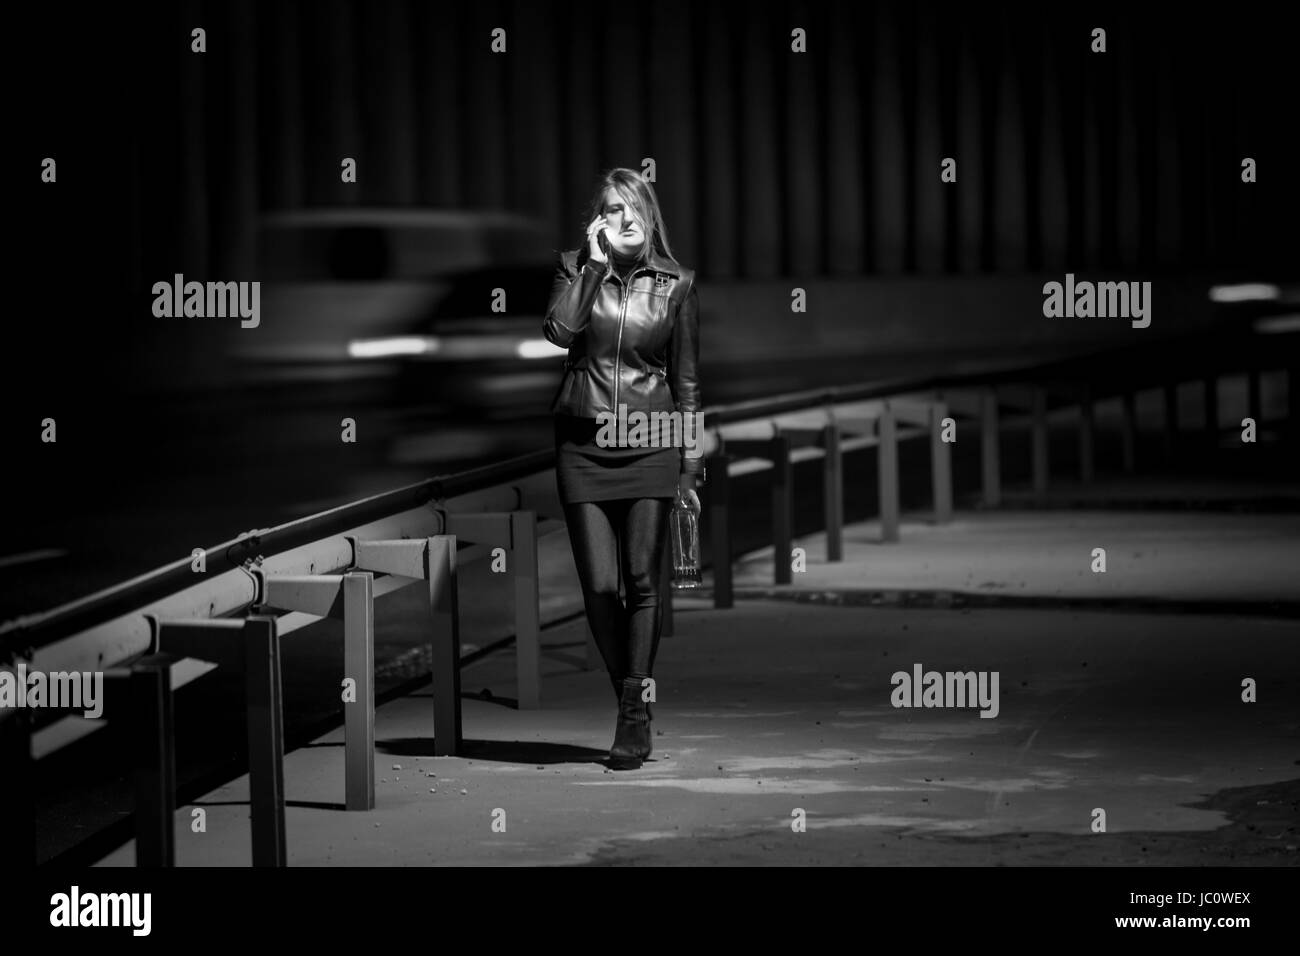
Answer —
688 484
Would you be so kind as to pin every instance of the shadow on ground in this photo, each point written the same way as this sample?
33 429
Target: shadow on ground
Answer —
535 752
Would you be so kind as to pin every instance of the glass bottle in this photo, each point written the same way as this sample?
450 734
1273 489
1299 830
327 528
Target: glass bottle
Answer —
684 531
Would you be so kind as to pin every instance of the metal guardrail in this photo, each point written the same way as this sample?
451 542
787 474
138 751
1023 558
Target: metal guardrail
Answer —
149 633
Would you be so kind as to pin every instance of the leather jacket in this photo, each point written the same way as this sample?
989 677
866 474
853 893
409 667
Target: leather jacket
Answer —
634 344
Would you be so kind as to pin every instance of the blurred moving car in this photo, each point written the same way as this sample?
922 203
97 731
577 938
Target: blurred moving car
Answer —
404 298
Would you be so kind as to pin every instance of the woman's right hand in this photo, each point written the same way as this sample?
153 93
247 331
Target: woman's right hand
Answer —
594 230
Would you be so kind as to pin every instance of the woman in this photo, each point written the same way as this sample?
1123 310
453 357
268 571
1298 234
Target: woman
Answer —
629 315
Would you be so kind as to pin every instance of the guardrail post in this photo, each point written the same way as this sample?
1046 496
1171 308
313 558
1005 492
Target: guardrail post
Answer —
1128 432
940 465
252 646
359 664
1039 438
444 613
666 586
719 492
833 492
18 792
1086 426
144 692
433 561
887 473
351 597
265 720
989 455
528 660
516 532
782 509
155 736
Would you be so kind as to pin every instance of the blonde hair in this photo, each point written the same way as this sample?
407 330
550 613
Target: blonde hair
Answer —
640 201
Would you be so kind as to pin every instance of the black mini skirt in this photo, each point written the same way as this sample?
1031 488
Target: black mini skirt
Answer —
584 471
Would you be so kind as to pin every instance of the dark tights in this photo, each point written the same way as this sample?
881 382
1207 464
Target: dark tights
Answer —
627 533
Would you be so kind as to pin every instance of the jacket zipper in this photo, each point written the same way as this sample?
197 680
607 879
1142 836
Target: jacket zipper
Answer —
618 345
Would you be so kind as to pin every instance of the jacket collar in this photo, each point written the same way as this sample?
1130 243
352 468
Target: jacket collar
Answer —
655 261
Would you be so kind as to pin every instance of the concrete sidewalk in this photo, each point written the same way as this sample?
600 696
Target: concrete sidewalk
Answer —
1150 556
776 706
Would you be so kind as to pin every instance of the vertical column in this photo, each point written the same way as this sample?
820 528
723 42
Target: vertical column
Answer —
719 491
887 473
1210 400
1039 441
989 454
359 666
251 648
149 702
1254 406
1293 399
782 509
1087 426
18 789
1170 392
940 465
441 580
1128 432
265 727
528 657
833 492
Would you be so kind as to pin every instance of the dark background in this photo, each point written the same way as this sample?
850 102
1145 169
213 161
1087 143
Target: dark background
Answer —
770 164
771 167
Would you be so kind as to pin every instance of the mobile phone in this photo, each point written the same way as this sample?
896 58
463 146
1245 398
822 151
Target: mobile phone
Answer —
603 241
